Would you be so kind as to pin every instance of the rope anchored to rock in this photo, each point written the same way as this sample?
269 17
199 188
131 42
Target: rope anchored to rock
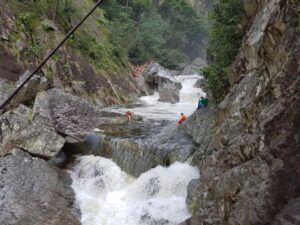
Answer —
15 92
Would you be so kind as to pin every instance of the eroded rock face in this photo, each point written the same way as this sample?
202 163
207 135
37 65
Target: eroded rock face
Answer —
155 75
72 72
19 128
168 93
250 165
34 193
200 126
290 214
71 115
139 146
27 94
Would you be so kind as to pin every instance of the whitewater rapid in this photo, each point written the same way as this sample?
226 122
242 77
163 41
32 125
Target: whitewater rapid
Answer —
151 108
108 196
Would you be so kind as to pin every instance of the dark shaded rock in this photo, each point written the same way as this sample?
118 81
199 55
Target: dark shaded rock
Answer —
60 159
9 68
191 221
155 76
290 215
91 145
34 193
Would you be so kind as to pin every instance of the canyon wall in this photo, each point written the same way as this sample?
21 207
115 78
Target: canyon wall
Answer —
27 36
249 159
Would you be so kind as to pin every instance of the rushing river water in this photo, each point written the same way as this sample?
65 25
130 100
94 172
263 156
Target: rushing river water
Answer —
108 196
151 108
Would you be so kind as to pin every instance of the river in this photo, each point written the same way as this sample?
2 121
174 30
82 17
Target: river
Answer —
108 196
150 108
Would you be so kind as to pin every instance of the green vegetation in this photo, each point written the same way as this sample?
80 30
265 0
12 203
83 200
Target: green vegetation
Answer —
168 31
225 40
120 32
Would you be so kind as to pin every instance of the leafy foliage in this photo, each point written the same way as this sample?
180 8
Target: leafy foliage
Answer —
168 31
225 40
122 31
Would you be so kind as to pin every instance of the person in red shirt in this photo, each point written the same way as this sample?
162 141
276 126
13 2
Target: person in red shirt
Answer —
181 119
128 115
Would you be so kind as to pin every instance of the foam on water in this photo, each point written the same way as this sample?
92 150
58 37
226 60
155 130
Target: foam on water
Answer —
153 109
108 196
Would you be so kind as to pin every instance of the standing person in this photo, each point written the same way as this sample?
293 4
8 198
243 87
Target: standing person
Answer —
181 119
128 115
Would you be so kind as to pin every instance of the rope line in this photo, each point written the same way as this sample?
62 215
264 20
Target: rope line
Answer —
15 92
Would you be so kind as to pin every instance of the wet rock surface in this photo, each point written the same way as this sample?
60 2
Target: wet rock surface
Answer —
139 146
71 115
250 164
168 93
19 128
34 193
155 75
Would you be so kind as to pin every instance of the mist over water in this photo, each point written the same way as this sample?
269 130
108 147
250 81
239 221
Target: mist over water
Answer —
108 196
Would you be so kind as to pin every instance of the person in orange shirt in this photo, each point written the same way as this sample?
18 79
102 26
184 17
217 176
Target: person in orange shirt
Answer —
181 119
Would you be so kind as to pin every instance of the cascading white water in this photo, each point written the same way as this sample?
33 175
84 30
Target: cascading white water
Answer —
153 109
108 196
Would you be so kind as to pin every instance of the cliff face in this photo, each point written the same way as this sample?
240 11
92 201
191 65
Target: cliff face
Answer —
27 35
250 162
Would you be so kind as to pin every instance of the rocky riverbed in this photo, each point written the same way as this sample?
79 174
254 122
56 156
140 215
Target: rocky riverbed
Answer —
243 153
48 136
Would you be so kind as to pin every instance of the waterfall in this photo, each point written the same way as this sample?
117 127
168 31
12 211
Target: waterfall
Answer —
108 196
151 108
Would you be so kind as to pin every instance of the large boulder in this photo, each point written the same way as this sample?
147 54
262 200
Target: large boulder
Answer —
168 93
155 75
71 115
27 94
19 128
34 193
139 146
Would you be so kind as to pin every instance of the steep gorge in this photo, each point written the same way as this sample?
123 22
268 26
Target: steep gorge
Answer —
246 147
249 152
